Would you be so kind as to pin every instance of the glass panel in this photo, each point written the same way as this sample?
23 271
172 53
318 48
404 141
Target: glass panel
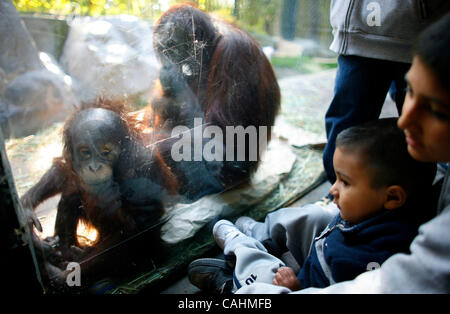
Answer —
130 126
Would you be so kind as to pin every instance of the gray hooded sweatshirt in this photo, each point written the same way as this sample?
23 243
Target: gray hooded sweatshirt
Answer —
381 29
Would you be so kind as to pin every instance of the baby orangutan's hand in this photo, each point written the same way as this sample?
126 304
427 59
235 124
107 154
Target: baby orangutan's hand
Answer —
286 277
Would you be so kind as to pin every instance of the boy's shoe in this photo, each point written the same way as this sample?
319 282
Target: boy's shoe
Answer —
212 275
224 230
245 225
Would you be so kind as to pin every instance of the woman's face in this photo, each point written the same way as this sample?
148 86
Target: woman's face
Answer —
425 117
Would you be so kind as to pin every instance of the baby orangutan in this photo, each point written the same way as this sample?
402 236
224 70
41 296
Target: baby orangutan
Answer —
109 182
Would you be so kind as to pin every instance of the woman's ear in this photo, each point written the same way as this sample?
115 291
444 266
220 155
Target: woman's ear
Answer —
395 197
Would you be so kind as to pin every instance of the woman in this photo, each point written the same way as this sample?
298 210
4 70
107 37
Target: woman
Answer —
425 120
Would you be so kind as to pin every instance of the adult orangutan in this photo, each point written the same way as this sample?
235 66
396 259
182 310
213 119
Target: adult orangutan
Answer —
215 71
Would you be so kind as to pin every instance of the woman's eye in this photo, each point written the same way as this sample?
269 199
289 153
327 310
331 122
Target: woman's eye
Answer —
439 114
429 106
408 91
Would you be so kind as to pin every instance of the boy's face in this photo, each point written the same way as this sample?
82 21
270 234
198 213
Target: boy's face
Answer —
356 199
425 117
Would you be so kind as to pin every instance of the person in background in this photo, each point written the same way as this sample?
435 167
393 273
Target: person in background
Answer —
373 40
425 120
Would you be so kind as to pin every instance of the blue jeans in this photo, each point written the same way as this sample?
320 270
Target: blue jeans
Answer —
360 90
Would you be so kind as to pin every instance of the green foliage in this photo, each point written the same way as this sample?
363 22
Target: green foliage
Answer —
147 9
257 16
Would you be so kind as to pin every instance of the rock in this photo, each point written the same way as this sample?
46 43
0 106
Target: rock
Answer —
111 57
35 100
49 32
34 92
18 53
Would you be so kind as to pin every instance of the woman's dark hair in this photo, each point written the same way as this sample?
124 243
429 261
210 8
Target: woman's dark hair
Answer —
433 47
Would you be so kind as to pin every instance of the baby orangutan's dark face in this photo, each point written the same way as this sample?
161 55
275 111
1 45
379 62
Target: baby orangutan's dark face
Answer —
97 136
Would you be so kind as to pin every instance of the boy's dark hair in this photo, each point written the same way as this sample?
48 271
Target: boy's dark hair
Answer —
384 148
433 46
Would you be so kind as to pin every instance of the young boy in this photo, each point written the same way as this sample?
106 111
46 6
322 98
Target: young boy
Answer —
379 191
425 120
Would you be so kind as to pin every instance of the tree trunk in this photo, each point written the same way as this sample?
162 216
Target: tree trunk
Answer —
289 19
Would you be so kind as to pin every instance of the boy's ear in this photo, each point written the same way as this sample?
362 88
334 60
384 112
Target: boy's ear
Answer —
395 197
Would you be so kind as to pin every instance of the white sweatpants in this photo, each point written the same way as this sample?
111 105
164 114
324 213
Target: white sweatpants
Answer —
292 228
